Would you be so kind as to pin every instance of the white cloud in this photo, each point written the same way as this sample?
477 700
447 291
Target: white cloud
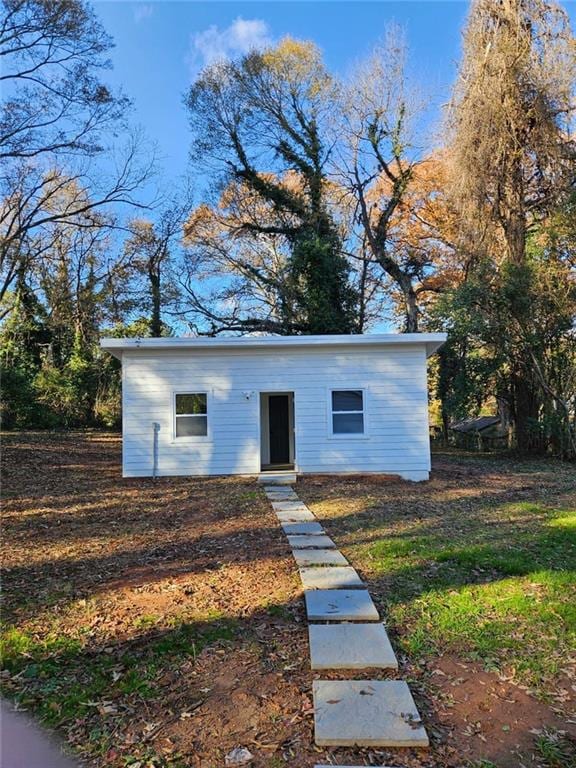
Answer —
142 11
215 44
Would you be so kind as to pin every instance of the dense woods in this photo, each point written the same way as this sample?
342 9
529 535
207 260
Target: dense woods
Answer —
321 205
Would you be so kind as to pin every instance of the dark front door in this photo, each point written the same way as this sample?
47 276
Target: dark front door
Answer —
279 420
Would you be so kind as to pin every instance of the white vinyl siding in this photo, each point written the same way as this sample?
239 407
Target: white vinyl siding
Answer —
391 378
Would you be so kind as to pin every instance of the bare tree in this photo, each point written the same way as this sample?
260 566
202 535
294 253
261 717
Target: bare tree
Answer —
33 201
378 158
57 122
511 119
149 251
52 54
237 278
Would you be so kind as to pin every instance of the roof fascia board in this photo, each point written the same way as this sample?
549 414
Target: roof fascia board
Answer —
431 341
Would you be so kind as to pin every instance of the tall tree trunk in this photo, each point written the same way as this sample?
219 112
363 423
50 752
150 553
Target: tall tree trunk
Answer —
525 408
411 304
155 295
411 312
446 365
445 427
525 390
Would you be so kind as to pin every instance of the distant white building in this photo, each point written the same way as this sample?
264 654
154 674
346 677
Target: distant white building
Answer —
250 405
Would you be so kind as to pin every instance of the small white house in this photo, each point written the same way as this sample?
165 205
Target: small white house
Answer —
250 405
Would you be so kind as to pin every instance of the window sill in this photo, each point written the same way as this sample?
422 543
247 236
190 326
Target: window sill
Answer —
351 436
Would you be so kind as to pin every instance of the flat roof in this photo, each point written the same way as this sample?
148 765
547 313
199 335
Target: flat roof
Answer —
431 341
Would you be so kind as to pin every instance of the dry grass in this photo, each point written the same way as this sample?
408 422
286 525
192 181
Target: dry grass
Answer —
161 623
147 620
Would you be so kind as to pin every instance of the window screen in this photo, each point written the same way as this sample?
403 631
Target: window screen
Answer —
191 415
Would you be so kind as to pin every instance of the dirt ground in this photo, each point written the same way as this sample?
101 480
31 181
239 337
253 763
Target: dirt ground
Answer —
161 623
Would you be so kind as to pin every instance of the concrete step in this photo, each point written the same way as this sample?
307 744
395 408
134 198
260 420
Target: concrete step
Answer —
343 577
296 516
350 646
281 495
303 529
366 713
309 542
319 558
277 478
288 506
340 605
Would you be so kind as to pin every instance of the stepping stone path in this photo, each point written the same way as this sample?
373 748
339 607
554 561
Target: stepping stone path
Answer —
346 712
288 506
290 529
298 516
330 578
318 557
350 646
307 542
340 605
366 713
281 494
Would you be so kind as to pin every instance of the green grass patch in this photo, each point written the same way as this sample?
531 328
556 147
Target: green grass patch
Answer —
278 611
481 764
65 680
499 587
556 750
525 622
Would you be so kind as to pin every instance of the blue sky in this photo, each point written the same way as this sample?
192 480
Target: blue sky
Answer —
160 45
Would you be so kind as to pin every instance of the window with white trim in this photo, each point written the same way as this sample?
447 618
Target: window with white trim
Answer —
347 411
191 414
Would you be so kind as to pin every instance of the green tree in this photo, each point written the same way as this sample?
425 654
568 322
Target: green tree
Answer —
262 122
52 366
486 330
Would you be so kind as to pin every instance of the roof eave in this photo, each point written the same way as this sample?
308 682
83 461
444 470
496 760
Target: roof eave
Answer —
116 346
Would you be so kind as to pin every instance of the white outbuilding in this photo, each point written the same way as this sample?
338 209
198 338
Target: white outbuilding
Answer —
259 404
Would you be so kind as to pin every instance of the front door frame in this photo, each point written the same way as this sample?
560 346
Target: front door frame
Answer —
292 427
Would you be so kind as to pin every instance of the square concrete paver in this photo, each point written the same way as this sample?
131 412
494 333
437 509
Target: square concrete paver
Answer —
296 516
310 529
286 495
330 578
319 557
340 605
366 713
306 542
287 506
350 646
